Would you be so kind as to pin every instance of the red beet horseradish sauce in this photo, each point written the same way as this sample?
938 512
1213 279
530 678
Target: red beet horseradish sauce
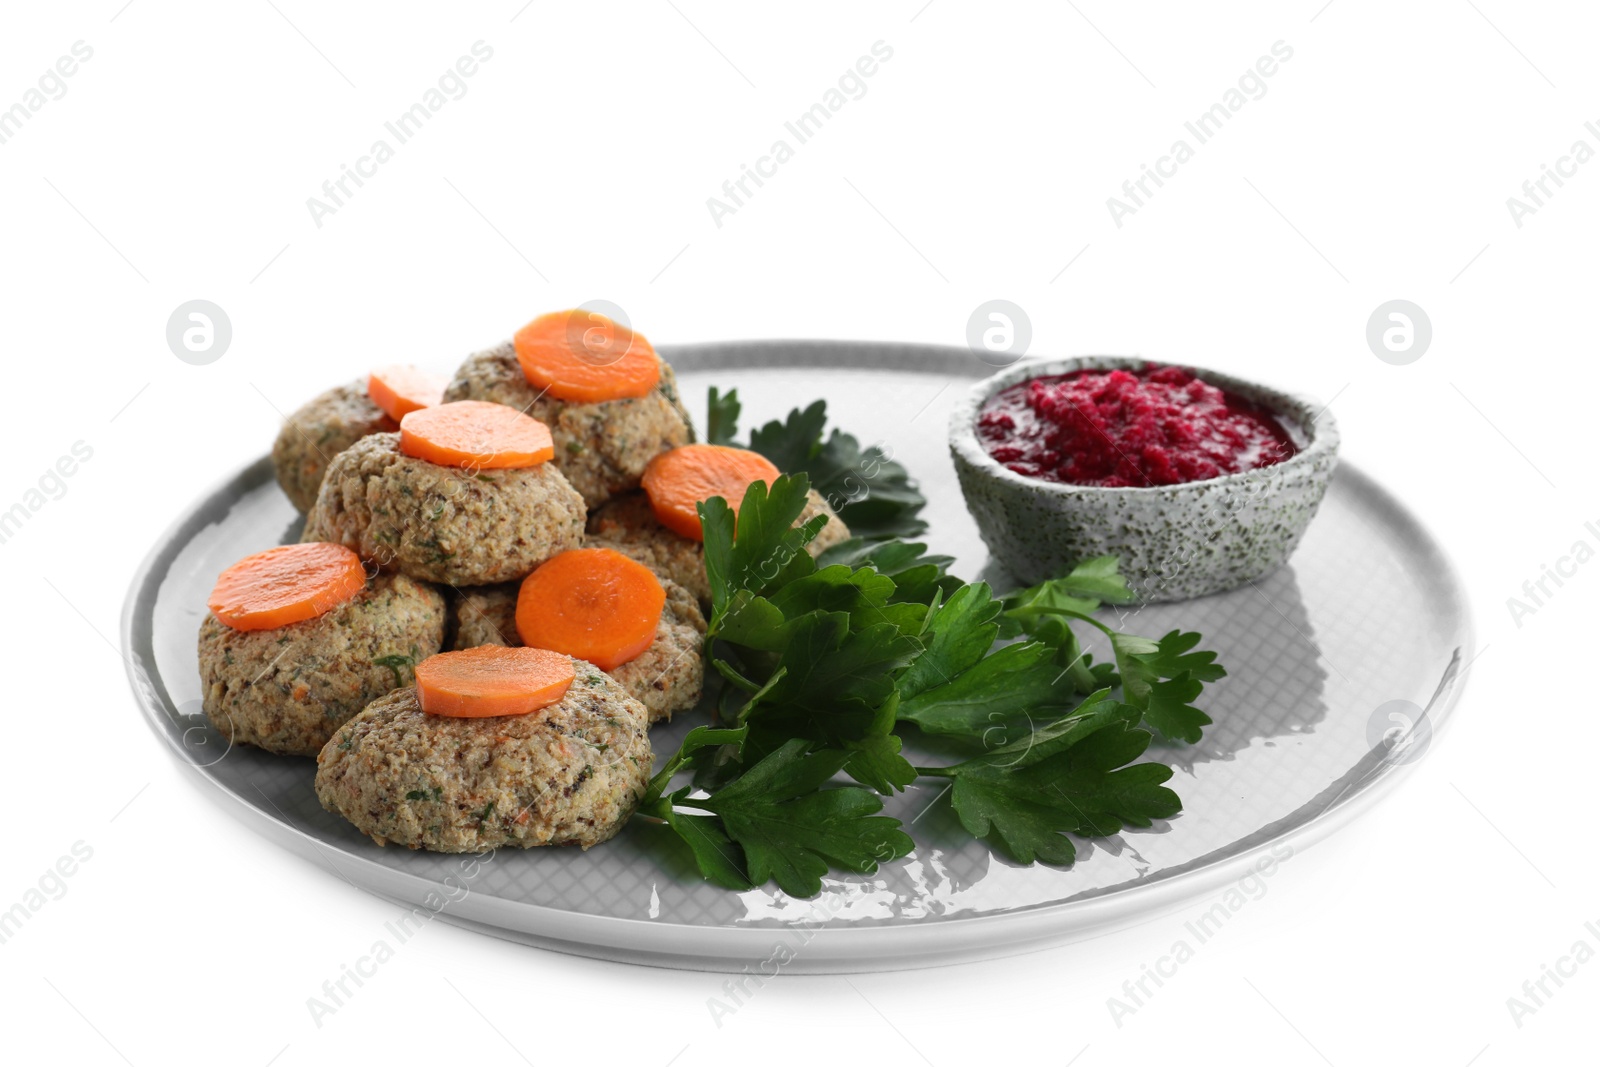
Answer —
1146 427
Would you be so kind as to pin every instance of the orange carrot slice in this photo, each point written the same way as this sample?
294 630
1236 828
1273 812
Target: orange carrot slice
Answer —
399 391
678 480
586 358
287 584
593 604
490 680
475 435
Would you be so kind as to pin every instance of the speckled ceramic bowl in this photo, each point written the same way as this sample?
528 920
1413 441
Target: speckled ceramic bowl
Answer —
1174 542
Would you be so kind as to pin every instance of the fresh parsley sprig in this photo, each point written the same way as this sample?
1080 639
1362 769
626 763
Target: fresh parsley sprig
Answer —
874 495
779 820
827 666
1076 775
1160 678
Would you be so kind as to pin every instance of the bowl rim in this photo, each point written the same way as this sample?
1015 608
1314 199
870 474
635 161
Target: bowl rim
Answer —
1315 421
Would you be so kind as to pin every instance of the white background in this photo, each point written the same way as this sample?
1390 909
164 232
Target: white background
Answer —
977 165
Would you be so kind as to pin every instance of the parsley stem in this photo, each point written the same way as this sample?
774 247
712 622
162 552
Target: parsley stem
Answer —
659 808
727 670
1068 613
935 772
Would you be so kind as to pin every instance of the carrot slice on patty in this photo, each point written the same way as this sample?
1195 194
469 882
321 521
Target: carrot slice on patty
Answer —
586 358
593 604
287 584
676 482
399 390
490 680
476 435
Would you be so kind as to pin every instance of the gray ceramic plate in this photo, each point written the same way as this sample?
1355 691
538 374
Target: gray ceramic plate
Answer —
1366 624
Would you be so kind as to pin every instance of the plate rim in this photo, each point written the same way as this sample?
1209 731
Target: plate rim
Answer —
826 949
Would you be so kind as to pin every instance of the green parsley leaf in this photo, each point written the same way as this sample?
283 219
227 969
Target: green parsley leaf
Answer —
1080 591
959 686
1085 675
1172 657
835 677
1017 682
863 594
719 859
767 546
722 417
791 445
872 493
698 738
1143 665
919 578
1160 678
1169 709
1024 798
754 622
792 830
959 634
875 760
